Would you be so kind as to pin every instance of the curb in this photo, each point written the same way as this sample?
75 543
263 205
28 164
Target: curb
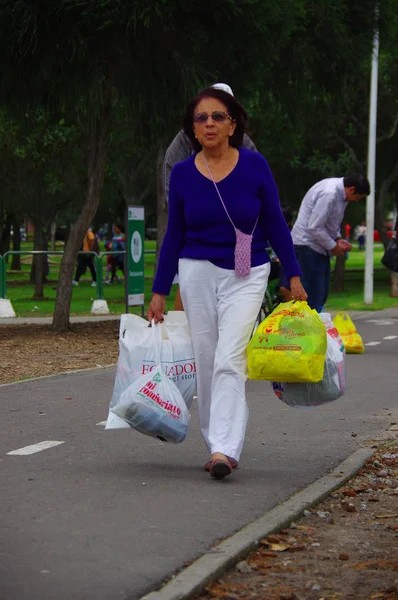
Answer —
193 579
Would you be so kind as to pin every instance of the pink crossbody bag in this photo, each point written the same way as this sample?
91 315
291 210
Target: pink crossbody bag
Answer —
243 244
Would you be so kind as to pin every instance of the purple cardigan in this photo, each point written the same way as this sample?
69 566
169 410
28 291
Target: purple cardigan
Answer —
199 228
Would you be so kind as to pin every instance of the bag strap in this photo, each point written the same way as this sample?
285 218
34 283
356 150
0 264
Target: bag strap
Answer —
157 342
222 201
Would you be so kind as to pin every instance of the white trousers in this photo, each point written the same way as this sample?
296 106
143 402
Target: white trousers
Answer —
221 309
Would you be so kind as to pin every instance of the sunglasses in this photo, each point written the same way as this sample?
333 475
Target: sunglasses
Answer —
218 116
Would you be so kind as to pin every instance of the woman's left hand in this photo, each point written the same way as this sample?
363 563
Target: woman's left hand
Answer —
298 292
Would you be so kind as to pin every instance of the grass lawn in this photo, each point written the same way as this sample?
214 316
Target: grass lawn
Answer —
356 259
20 291
353 295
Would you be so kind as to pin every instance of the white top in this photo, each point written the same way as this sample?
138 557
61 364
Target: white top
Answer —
320 215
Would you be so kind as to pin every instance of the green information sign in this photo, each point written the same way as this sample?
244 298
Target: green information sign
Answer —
135 255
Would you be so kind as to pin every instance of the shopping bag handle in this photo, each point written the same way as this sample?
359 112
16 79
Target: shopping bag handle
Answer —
157 341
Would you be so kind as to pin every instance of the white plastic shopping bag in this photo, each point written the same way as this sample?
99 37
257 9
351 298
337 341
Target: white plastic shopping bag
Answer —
332 385
137 357
152 404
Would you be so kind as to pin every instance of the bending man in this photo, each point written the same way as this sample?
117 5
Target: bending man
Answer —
316 232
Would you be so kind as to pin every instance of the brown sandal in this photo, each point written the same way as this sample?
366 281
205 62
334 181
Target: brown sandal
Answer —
234 464
220 468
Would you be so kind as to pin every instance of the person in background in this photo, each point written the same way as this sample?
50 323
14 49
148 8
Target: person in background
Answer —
221 198
86 261
316 232
347 235
109 261
179 150
361 236
118 245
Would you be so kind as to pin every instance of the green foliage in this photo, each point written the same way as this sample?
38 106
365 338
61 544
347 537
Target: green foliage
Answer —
310 116
39 154
301 67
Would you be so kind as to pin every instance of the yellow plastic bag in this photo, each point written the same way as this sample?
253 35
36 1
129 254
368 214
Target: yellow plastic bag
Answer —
352 341
289 345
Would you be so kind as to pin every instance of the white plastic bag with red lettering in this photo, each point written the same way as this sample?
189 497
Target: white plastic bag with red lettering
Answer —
138 357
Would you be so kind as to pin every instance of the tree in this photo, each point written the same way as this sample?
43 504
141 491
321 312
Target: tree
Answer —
41 176
312 121
152 53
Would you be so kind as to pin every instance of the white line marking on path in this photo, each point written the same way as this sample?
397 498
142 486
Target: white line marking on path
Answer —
102 423
35 448
372 343
380 321
390 337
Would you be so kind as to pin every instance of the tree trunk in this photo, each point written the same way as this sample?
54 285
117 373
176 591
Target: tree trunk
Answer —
99 139
16 246
338 274
162 212
394 285
5 234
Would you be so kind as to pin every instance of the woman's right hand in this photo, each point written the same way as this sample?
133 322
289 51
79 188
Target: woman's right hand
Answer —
298 292
156 308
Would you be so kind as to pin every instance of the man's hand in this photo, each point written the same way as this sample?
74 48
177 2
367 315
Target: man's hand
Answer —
341 247
156 308
298 292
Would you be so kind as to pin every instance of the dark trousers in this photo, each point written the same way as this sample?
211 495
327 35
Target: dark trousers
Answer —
117 264
84 262
315 268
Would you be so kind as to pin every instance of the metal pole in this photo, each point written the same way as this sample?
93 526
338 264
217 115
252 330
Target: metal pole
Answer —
371 174
98 269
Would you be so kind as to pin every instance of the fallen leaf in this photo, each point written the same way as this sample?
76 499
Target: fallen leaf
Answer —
386 516
349 492
276 547
273 539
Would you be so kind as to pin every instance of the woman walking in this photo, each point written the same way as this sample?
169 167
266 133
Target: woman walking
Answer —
223 207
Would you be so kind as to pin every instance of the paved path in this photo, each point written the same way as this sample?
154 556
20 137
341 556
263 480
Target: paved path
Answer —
107 515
